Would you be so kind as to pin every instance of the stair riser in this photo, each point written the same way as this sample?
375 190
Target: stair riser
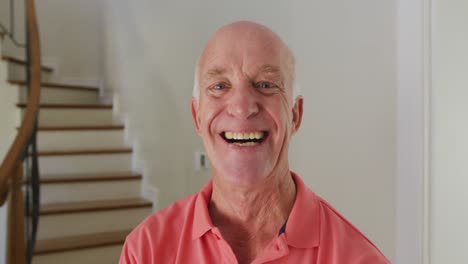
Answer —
83 164
79 140
101 255
63 96
75 192
17 72
75 117
54 226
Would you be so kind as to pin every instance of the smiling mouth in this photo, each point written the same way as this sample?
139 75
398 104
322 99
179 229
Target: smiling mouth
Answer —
245 139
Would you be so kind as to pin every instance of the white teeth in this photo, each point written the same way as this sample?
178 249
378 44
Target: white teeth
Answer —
247 144
258 135
244 136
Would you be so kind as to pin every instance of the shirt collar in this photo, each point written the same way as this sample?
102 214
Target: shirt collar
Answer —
303 219
303 225
201 217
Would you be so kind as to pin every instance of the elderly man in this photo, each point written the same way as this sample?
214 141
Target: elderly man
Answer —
254 210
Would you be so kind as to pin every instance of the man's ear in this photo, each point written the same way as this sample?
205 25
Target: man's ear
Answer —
194 108
297 112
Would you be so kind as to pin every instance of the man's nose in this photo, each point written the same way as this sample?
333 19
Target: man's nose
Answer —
243 102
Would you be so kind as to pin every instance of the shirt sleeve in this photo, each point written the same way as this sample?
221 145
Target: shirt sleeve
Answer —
127 256
371 256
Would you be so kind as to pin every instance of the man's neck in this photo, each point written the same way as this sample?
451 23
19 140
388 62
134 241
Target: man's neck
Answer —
250 217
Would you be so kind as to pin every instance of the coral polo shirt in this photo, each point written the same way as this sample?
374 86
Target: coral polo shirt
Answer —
314 233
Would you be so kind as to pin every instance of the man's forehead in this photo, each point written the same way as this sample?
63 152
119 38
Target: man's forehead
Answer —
252 58
245 29
221 70
247 48
242 37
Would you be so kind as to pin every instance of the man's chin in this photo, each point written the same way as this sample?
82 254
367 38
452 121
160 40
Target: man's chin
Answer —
242 177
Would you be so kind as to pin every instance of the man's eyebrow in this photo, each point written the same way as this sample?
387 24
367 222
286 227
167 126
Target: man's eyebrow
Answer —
268 68
215 72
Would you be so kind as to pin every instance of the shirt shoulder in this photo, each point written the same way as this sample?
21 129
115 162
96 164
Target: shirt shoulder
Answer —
340 235
159 234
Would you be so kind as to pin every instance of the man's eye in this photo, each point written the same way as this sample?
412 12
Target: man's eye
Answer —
219 86
265 85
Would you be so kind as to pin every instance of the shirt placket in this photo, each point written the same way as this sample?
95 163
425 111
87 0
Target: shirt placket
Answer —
224 247
277 249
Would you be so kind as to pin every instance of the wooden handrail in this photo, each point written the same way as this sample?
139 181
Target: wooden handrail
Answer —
20 144
11 172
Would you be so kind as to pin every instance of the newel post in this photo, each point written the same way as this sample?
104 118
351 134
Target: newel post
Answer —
16 245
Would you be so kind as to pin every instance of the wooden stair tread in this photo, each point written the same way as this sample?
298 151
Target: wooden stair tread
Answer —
101 177
71 106
72 128
84 152
59 85
80 242
23 62
92 206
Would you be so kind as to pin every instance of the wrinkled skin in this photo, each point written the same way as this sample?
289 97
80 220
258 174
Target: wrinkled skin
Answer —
245 84
245 78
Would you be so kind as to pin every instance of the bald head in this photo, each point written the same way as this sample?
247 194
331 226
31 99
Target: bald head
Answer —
245 36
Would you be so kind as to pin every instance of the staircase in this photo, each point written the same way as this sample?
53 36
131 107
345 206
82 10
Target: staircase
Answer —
90 196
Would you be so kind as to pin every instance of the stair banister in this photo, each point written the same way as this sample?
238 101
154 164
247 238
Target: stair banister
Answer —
11 168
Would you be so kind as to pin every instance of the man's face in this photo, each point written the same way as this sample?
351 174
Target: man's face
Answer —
245 114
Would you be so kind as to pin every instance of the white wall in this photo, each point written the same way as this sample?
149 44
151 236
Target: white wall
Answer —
4 8
449 181
70 34
346 52
345 149
414 75
18 21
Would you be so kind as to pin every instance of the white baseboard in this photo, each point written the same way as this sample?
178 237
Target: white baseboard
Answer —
53 63
139 166
105 96
79 81
150 193
118 108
